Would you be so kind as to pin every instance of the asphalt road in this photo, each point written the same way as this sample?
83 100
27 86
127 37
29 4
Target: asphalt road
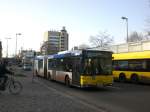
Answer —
121 97
49 96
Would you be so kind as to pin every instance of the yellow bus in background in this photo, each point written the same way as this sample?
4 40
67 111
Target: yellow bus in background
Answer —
132 66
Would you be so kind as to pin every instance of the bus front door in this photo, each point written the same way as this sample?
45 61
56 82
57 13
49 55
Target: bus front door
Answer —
76 73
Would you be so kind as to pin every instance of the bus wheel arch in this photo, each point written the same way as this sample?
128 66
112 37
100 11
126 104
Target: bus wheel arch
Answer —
134 78
67 81
122 77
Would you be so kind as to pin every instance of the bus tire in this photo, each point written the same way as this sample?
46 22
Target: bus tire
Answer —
67 81
134 78
122 77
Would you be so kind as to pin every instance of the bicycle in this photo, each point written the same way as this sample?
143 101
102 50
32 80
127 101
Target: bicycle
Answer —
14 87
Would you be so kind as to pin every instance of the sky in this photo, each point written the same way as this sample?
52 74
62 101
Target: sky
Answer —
82 19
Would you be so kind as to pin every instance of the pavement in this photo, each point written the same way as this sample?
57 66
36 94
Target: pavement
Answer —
37 97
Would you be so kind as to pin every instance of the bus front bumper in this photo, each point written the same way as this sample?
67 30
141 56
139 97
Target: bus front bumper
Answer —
97 81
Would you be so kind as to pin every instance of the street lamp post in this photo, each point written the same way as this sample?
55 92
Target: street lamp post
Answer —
7 47
16 43
125 18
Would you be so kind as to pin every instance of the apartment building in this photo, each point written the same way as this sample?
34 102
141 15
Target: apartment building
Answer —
55 41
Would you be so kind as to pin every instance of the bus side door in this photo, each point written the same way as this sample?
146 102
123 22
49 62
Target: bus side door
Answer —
76 72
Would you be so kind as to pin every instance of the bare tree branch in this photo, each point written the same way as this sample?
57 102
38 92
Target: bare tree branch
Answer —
102 39
135 37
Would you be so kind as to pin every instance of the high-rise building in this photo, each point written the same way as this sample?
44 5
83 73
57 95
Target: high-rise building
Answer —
55 41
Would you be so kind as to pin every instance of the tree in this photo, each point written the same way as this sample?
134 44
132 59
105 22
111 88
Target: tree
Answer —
135 37
103 40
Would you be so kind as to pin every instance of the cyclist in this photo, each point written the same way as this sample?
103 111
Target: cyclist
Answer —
3 72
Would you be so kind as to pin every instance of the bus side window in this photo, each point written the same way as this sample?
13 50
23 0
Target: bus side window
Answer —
115 65
148 65
68 68
67 65
123 65
137 65
53 64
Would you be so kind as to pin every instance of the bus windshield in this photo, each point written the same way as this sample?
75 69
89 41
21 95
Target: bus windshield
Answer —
97 66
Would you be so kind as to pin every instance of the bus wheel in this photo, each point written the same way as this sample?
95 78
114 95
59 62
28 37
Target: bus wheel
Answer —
67 81
134 78
122 77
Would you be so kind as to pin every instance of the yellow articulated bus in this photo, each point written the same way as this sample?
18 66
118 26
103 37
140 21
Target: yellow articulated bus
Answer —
82 68
132 66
